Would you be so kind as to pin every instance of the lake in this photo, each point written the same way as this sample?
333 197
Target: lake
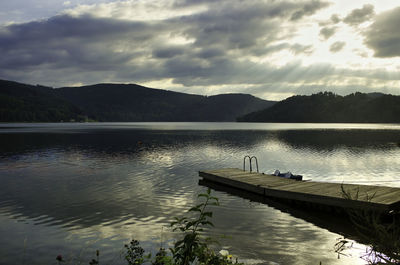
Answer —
73 188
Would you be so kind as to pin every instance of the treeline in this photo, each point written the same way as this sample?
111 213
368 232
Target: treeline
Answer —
130 102
331 108
118 102
25 103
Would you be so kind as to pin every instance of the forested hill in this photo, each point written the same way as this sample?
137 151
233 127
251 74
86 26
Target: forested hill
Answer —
329 107
118 102
20 102
115 102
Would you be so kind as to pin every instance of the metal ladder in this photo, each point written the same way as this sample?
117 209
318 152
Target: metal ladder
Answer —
250 162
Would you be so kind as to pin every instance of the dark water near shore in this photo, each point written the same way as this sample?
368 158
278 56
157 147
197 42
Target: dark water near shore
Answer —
73 188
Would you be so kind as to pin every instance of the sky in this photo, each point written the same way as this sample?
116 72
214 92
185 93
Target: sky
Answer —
271 49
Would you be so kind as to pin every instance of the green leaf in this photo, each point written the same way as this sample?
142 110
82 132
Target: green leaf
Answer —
196 208
207 223
209 214
179 242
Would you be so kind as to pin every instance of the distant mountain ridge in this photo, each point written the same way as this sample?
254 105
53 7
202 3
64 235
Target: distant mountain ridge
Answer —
118 102
331 108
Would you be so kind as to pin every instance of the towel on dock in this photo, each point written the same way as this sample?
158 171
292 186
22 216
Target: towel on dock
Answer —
288 175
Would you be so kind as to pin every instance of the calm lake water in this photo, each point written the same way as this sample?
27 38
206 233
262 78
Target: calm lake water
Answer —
73 188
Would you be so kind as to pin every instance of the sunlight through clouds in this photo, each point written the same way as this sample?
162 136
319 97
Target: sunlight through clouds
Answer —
270 49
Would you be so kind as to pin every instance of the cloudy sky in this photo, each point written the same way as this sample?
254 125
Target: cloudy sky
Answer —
271 49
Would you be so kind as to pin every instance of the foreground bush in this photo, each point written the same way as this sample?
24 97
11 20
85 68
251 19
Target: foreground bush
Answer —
192 248
381 235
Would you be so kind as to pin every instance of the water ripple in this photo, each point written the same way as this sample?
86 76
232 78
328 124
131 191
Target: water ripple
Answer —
104 187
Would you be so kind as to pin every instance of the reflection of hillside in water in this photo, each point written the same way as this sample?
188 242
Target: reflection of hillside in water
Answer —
97 177
93 177
121 181
125 142
329 140
132 142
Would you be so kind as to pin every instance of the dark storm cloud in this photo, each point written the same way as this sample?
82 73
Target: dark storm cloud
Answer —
308 9
327 32
233 27
168 52
383 35
246 26
230 71
294 10
337 46
28 10
207 53
92 49
358 16
215 47
64 27
65 41
241 32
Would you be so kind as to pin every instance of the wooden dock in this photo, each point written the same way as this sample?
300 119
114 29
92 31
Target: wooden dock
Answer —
377 198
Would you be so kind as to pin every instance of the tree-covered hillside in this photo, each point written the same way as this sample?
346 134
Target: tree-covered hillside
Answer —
329 107
118 102
26 103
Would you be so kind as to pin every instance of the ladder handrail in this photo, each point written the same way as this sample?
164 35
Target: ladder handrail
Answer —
244 162
251 158
250 163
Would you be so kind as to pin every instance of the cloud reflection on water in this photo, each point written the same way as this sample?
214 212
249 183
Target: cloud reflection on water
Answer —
104 185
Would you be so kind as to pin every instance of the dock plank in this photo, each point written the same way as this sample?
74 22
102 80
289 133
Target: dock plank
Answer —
325 193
